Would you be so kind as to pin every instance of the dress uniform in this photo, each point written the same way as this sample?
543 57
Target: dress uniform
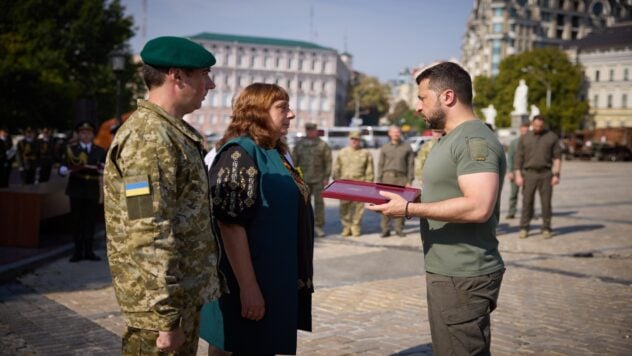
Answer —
83 161
313 157
28 156
353 163
161 250
46 155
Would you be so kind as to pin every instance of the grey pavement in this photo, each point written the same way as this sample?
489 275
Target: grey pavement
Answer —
566 296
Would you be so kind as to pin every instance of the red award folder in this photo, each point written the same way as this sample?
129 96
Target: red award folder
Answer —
366 192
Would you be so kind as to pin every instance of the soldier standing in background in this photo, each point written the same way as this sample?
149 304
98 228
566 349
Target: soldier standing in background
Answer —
423 153
313 157
7 154
537 166
84 161
46 154
511 152
28 156
395 166
162 252
355 163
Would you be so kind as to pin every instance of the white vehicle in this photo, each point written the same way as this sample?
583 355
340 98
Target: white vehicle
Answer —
417 141
374 136
337 136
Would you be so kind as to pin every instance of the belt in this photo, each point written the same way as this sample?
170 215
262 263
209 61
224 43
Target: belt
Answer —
394 173
538 170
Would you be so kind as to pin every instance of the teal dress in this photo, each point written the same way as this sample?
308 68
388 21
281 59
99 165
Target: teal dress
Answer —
259 190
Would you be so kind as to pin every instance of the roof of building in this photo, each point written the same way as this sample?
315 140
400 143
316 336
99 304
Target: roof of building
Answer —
257 40
614 36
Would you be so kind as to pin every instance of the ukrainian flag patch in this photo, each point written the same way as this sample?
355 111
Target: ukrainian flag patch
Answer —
136 188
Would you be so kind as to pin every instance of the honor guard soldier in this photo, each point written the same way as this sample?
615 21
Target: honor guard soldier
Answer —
353 162
162 253
28 156
46 154
83 161
313 157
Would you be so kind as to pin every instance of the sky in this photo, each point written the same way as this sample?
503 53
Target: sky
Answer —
384 36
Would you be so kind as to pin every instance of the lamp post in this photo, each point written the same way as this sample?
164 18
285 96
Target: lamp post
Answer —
544 82
118 66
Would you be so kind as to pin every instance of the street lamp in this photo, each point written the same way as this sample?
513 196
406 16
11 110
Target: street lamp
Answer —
545 82
118 66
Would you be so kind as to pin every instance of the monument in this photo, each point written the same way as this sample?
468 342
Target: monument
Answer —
520 113
490 115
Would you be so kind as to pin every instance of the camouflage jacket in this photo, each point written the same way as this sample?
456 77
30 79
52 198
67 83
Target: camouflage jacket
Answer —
354 164
313 157
162 254
422 156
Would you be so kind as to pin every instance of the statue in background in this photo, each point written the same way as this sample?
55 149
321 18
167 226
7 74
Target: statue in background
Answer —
520 99
490 115
535 111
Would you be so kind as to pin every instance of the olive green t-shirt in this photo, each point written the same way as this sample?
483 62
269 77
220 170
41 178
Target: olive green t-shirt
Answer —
461 249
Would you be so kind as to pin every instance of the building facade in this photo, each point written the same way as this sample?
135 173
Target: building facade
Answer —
315 77
499 28
606 56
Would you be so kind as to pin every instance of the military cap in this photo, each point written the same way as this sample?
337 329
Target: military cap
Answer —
354 134
84 125
311 126
176 52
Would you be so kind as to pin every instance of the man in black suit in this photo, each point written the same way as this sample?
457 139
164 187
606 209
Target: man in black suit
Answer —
84 161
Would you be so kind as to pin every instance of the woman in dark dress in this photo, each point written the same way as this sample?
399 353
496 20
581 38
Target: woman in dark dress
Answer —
261 210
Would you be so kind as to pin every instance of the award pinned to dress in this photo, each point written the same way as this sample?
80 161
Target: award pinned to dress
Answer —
367 192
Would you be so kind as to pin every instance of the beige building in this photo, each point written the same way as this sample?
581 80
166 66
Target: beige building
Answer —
315 77
499 28
606 56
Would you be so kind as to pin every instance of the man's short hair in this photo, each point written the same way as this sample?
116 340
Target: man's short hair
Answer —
155 76
539 117
448 75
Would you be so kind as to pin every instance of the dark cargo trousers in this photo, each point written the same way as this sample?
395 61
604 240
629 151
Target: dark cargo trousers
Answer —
540 181
459 311
319 203
513 198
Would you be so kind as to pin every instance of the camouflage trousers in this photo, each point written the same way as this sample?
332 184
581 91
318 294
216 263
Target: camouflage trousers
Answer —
351 217
138 342
319 203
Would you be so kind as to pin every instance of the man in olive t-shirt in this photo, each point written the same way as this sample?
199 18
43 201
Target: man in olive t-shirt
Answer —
459 214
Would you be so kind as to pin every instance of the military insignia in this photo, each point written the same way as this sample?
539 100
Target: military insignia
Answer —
477 148
137 188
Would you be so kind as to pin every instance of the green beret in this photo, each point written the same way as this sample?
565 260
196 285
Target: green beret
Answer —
176 52
310 126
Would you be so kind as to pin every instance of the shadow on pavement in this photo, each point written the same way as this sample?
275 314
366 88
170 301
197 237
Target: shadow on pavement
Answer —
425 349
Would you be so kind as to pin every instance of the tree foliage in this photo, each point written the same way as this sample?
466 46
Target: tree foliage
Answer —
372 98
538 68
53 53
403 115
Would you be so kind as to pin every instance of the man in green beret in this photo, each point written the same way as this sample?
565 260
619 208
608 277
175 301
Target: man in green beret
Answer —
162 254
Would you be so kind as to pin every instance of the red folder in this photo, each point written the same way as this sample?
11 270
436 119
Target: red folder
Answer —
366 192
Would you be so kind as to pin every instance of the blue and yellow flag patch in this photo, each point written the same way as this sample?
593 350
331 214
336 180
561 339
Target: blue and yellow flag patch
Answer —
136 189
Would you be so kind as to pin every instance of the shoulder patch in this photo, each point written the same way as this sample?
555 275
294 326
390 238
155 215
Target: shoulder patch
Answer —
477 148
135 186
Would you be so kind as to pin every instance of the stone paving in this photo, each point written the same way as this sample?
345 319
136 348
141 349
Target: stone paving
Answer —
566 296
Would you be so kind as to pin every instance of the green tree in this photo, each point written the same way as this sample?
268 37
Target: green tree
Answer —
540 68
370 96
403 115
53 53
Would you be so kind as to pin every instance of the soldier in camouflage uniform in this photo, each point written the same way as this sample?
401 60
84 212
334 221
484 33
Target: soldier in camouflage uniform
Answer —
162 254
28 156
423 154
355 163
313 156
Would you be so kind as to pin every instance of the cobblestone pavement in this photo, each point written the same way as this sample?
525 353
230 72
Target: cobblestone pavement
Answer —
566 296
